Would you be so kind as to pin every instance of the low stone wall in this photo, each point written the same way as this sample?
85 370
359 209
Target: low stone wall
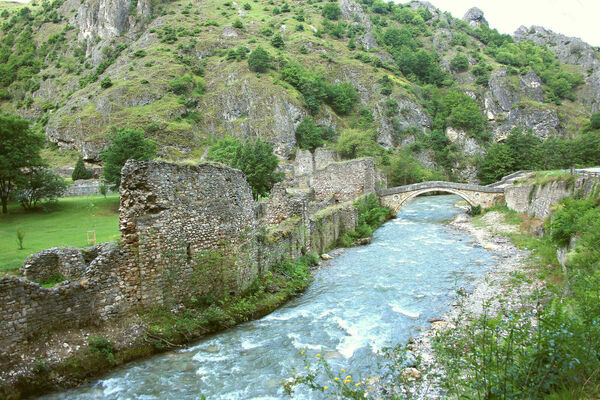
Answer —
99 290
85 187
537 200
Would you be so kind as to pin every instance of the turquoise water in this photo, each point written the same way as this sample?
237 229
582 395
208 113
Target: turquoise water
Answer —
369 298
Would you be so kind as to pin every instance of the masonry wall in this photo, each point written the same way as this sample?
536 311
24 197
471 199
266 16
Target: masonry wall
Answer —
171 213
537 200
345 181
172 217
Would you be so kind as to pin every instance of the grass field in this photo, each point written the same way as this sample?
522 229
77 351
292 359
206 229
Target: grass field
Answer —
62 224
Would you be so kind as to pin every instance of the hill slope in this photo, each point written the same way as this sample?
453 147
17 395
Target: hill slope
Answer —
442 87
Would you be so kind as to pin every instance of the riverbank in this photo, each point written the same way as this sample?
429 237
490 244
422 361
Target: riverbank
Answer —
497 289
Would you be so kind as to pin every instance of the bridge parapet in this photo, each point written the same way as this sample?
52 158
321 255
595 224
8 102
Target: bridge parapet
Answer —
441 185
475 195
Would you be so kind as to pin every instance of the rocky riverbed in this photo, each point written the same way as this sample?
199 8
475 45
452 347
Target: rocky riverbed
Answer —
424 376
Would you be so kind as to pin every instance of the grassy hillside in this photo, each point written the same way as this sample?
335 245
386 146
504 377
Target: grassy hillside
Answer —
407 62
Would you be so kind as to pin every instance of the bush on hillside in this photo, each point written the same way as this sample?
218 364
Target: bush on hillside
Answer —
259 60
80 172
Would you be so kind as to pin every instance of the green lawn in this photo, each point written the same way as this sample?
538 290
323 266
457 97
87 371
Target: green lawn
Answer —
63 224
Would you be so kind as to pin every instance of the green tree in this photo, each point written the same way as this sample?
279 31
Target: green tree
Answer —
459 63
277 41
39 185
259 60
255 159
19 151
308 135
125 144
224 150
498 162
80 172
354 143
524 148
342 97
595 120
331 11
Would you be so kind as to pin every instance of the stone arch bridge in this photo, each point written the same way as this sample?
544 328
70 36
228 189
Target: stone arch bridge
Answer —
475 195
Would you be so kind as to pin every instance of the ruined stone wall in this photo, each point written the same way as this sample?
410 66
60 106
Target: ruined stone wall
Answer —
326 226
170 213
537 200
284 204
306 163
105 287
171 216
345 180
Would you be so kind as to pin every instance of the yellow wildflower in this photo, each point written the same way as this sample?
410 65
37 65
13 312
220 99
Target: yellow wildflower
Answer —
302 352
336 379
325 387
358 384
318 355
343 370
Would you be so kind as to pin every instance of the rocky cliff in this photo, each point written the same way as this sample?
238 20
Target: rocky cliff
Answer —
114 63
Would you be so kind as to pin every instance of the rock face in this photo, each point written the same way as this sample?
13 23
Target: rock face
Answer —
474 17
108 19
573 51
352 11
568 50
516 101
252 108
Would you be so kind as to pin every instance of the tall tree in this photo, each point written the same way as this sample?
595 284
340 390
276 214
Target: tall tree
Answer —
19 151
126 144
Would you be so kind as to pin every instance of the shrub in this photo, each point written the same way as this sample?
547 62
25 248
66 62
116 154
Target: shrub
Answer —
140 53
102 189
259 60
459 63
331 11
238 24
80 172
20 236
106 83
277 42
595 120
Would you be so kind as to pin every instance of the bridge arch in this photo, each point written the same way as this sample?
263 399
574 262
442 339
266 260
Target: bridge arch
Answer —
475 195
403 198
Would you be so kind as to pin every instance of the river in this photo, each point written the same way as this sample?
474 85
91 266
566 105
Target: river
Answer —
368 298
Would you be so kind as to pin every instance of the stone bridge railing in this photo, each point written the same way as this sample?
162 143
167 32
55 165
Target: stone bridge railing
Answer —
475 195
439 185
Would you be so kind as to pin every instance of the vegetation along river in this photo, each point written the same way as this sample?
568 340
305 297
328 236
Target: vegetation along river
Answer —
368 298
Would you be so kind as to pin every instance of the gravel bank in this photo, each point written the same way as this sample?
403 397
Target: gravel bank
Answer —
424 380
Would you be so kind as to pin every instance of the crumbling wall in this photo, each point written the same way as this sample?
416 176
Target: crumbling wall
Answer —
171 213
186 229
345 180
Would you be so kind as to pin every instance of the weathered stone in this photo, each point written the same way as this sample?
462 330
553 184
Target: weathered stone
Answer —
475 17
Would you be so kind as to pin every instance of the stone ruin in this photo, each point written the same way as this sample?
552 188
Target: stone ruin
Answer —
169 215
